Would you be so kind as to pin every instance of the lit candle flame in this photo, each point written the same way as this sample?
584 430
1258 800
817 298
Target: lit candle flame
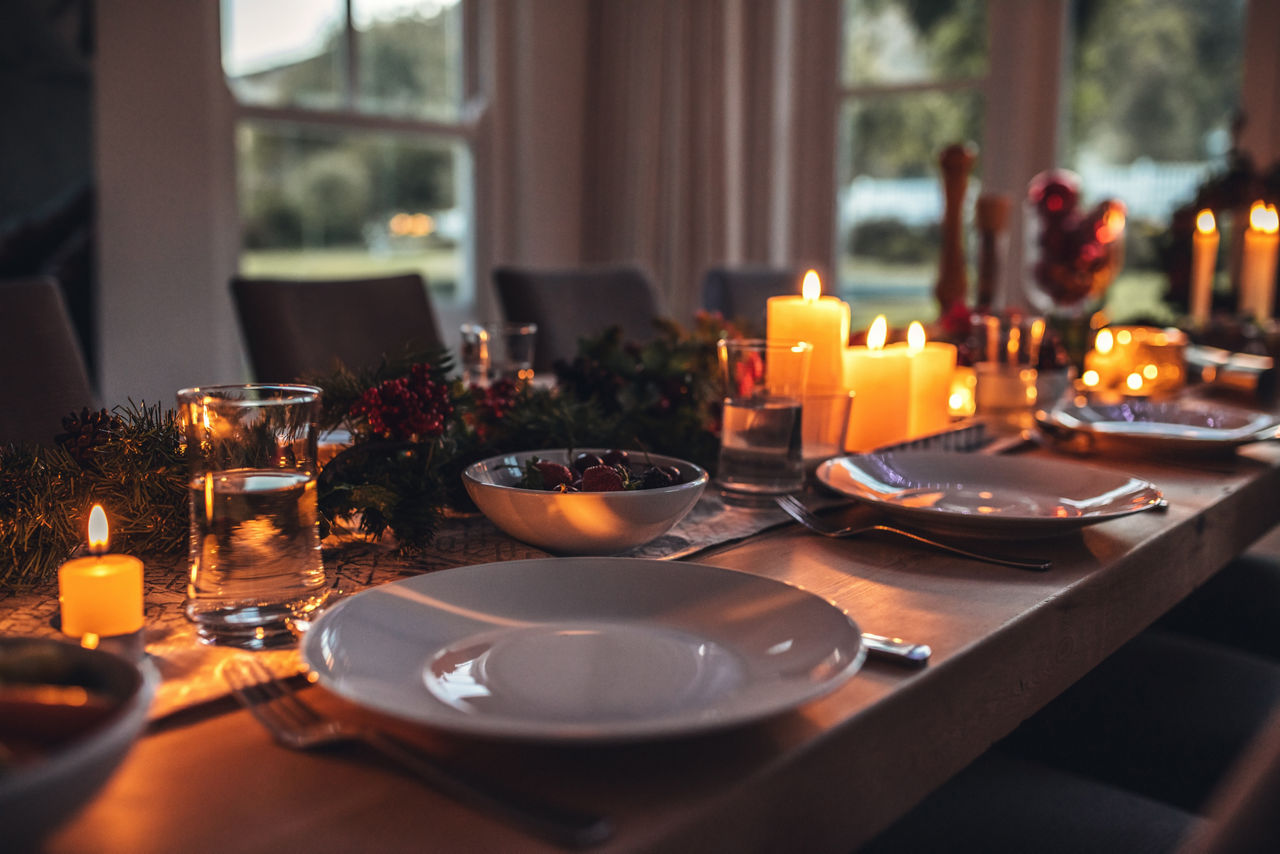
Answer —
1104 342
1205 223
1263 217
811 286
98 531
878 333
915 337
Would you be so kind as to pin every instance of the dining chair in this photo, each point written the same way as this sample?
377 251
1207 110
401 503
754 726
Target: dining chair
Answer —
299 328
571 304
1170 744
42 369
740 294
1244 814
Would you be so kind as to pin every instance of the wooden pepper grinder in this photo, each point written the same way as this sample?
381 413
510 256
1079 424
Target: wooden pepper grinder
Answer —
992 215
957 162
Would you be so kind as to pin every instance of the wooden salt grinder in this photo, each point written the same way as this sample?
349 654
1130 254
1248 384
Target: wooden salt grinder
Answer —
956 161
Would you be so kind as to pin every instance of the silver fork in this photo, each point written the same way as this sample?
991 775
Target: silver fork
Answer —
295 724
796 510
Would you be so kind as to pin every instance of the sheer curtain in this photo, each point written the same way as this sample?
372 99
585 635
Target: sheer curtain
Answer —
697 131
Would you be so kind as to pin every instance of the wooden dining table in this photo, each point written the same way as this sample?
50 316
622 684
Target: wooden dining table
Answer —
825 776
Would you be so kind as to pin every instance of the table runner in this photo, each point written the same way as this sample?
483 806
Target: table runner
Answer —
189 668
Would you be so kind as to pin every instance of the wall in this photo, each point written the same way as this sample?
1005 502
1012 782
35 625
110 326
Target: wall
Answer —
167 233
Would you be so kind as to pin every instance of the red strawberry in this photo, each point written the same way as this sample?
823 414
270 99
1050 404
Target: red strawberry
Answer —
553 474
601 479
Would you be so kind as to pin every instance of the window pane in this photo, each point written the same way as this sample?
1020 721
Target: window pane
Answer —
319 204
285 53
906 41
410 57
890 197
1155 87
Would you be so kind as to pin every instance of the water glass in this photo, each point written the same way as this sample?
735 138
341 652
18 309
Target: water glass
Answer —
761 445
256 575
1007 355
493 351
826 425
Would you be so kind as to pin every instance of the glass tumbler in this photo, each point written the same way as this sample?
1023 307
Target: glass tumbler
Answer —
256 576
492 351
761 444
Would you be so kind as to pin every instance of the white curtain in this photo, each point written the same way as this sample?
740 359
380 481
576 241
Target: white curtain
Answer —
701 146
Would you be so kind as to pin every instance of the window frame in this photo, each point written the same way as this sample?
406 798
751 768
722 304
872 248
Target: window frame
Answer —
1035 52
468 129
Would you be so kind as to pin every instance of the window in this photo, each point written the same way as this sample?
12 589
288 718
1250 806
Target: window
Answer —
353 140
1155 86
912 81
1145 99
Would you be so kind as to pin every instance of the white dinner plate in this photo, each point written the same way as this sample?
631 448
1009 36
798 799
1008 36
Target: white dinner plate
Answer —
583 649
1179 426
981 495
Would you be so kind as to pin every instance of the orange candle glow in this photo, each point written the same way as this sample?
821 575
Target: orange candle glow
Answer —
823 321
932 364
1258 266
881 381
100 594
1204 258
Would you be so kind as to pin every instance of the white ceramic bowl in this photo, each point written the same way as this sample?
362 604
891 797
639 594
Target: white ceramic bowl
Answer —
51 782
580 523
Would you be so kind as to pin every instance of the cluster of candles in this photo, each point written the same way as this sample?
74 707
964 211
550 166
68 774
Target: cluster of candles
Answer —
899 391
100 595
1261 244
1136 361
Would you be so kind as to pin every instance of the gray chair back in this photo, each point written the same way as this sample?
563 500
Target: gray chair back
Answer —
42 370
741 293
1245 813
299 328
571 304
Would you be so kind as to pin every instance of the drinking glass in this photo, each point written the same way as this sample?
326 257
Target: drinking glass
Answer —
256 575
1007 357
492 351
761 446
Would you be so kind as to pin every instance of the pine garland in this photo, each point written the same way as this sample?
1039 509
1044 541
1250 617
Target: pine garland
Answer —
413 430
133 465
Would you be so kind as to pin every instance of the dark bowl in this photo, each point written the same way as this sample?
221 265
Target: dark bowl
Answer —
68 715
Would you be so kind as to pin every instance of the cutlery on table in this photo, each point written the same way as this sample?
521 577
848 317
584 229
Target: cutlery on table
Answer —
796 510
297 725
896 650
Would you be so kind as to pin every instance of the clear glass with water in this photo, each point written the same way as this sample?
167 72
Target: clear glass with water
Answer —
492 351
256 574
761 440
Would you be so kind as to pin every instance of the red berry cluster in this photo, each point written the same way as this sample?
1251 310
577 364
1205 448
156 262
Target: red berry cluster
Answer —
495 401
407 408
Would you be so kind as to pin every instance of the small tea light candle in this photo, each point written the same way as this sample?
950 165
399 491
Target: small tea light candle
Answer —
964 381
100 594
